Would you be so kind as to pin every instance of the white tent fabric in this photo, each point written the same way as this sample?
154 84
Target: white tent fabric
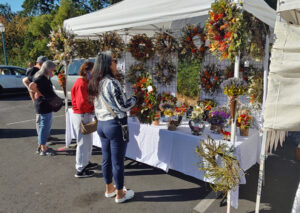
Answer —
290 11
282 109
144 16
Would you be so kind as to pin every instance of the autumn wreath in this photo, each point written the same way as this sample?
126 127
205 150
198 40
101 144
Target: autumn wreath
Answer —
193 43
210 78
164 72
135 71
146 107
112 41
141 47
165 44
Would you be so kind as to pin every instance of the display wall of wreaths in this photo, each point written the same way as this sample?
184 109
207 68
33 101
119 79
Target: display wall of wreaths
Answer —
210 79
112 41
192 45
219 164
231 31
86 48
165 44
141 47
164 71
137 70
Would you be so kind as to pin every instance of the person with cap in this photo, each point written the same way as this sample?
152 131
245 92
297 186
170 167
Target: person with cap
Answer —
26 81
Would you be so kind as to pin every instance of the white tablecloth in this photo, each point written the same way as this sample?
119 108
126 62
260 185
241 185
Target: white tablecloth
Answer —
164 149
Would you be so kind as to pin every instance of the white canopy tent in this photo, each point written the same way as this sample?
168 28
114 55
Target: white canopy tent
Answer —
144 16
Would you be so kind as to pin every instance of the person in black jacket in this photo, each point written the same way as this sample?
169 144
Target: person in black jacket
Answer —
43 89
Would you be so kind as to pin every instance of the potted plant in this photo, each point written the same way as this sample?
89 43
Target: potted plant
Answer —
156 119
233 87
218 117
196 122
244 123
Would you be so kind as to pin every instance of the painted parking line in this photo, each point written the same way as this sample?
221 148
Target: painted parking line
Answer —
30 120
203 205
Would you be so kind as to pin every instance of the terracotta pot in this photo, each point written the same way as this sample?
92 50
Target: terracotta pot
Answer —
244 132
155 122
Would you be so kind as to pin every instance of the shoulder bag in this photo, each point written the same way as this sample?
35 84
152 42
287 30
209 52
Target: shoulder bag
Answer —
90 127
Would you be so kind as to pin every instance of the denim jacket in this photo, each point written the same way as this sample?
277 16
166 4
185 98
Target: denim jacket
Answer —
112 93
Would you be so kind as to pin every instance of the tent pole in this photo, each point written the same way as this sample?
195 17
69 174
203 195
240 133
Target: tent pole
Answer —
66 64
233 121
228 202
261 177
261 170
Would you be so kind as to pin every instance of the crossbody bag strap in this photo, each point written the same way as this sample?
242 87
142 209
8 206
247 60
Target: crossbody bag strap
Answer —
108 107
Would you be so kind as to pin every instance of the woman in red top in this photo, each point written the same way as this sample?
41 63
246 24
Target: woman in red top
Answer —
83 110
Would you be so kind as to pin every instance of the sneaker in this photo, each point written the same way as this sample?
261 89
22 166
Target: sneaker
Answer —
38 150
129 195
47 153
91 166
85 173
112 194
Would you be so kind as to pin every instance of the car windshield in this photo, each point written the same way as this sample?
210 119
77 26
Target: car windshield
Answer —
75 66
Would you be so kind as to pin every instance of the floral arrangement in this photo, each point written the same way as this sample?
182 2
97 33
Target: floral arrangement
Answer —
62 45
209 104
226 135
255 90
225 29
141 47
251 71
112 41
234 87
244 120
198 113
218 115
62 80
210 79
166 97
157 116
165 44
164 72
192 43
145 108
168 112
181 110
136 71
225 176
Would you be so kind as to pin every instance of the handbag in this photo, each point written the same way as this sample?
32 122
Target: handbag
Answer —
124 127
55 103
90 127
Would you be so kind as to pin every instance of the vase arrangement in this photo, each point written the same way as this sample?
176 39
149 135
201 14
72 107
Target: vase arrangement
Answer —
197 127
243 121
217 118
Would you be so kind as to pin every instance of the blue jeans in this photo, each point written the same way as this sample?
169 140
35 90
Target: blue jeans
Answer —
113 151
45 127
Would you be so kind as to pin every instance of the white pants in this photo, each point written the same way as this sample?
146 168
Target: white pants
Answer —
84 142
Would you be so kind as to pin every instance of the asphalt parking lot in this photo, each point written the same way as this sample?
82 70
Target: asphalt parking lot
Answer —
31 183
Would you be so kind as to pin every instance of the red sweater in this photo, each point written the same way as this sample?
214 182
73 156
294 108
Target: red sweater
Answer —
79 96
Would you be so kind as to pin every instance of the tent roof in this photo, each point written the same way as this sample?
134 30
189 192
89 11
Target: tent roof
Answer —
290 11
147 16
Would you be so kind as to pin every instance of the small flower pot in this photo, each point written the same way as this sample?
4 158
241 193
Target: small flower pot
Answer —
172 127
155 122
197 128
244 132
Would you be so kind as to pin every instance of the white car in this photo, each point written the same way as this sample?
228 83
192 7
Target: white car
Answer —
11 78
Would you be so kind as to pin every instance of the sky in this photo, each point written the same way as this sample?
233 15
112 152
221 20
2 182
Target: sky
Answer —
15 5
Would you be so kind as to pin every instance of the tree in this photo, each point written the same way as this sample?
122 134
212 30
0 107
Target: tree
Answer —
37 7
114 1
5 11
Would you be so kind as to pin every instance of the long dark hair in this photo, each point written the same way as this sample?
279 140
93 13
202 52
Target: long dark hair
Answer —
100 70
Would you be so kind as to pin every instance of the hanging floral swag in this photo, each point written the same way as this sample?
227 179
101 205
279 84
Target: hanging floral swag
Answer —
136 71
164 72
165 44
62 45
112 41
141 47
146 107
231 30
219 164
210 78
192 43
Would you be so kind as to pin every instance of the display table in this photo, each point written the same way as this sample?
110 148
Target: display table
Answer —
164 149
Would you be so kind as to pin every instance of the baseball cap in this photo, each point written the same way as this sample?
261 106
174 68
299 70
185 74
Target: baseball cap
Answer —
41 59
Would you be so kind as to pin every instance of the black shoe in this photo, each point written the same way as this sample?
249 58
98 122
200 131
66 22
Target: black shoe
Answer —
91 166
85 173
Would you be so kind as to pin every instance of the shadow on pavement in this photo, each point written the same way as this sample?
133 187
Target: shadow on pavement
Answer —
20 133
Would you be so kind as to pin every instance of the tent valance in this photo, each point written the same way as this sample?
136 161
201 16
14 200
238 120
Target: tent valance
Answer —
144 16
